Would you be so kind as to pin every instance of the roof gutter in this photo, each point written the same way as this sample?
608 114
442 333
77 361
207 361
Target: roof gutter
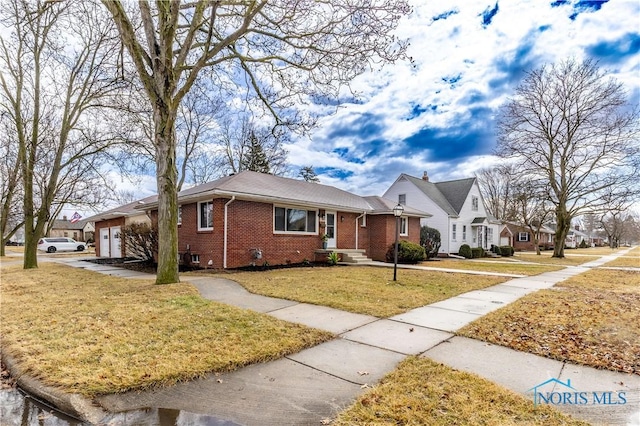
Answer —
226 230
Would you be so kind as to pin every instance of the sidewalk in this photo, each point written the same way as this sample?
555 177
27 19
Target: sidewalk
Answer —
315 384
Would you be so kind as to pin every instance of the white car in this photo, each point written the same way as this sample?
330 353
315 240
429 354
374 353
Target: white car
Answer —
54 244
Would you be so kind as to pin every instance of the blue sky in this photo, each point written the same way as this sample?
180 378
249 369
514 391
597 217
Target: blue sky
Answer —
438 116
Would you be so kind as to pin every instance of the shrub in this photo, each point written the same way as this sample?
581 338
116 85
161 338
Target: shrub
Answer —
430 240
333 258
583 244
477 252
465 251
507 250
496 249
141 240
408 252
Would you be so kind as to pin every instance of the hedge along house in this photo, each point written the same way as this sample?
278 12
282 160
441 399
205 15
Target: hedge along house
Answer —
254 219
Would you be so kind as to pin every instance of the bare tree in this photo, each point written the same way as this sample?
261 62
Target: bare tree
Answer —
532 208
497 187
11 215
283 51
55 76
570 128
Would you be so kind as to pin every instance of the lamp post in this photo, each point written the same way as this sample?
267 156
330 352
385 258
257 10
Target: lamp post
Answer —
397 212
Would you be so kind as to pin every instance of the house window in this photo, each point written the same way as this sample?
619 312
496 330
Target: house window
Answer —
489 235
464 232
404 229
523 236
402 199
195 258
294 220
474 203
364 221
65 233
179 215
205 216
453 232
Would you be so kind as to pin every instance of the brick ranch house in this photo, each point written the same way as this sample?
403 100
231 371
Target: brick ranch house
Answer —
251 218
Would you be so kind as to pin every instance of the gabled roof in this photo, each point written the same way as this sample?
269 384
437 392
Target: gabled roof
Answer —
449 195
382 205
63 224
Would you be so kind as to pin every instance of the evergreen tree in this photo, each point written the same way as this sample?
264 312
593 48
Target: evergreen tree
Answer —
307 173
255 160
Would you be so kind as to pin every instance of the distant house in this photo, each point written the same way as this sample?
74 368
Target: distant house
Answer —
457 209
521 238
253 218
82 230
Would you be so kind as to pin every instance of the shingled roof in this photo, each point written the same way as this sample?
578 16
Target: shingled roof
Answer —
261 187
449 195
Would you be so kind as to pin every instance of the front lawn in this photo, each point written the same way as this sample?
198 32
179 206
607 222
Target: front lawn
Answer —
503 266
94 334
590 319
362 289
570 258
423 392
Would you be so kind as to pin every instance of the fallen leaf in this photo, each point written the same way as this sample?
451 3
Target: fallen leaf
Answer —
363 373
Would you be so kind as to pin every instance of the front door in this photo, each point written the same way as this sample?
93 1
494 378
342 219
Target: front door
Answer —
104 242
331 229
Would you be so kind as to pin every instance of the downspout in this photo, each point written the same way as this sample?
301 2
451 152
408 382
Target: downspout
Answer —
226 230
357 227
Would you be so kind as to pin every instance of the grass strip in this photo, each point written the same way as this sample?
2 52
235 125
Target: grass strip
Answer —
423 392
590 319
95 334
362 289
503 267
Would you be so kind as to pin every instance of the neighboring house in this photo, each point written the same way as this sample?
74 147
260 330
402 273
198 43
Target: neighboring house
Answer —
575 237
254 218
82 230
457 208
521 238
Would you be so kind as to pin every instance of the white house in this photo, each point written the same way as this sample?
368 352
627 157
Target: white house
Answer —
457 207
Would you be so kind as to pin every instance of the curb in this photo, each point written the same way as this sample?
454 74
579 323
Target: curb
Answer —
71 404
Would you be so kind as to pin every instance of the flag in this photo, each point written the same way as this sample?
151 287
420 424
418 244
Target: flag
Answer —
76 217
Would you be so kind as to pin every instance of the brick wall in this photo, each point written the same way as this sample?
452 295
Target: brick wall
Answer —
382 231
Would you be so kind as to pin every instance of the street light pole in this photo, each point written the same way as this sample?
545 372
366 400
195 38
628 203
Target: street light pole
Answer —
397 212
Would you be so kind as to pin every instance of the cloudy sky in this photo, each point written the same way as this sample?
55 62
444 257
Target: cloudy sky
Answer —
437 113
468 57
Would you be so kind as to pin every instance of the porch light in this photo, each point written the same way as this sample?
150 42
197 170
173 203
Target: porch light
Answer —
397 212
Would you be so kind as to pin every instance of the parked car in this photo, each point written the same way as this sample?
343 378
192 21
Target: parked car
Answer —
54 244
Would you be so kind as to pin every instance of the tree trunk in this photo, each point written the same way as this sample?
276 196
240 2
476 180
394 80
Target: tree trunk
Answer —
563 221
167 177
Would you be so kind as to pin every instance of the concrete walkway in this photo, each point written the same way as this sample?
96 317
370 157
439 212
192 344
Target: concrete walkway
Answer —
315 384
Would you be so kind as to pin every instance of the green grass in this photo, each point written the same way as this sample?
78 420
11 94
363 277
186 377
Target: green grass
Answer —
362 289
422 392
589 319
94 334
